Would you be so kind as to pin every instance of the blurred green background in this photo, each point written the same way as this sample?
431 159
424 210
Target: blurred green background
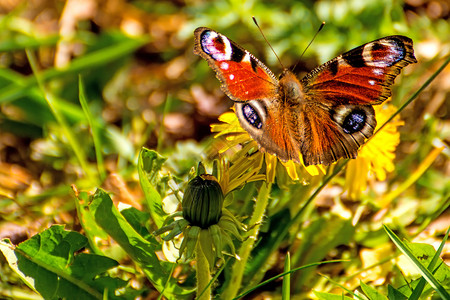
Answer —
145 87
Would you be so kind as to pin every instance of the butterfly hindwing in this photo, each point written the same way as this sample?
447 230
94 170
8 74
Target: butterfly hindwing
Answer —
330 135
272 125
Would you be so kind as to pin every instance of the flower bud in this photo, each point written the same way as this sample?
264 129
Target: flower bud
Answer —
203 201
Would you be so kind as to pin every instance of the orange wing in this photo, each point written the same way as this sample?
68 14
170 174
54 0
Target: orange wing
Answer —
362 75
243 77
338 115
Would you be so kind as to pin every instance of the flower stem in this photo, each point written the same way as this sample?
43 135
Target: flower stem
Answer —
247 246
203 274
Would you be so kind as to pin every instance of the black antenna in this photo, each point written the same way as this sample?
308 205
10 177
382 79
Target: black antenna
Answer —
262 33
314 37
312 40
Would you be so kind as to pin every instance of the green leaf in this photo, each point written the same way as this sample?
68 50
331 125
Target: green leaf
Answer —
395 294
48 264
327 296
371 292
138 219
87 221
436 259
141 251
429 258
421 250
424 254
149 163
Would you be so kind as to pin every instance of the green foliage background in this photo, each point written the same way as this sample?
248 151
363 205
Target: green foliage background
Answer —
131 80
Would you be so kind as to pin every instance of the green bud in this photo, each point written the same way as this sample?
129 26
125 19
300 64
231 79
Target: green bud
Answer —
203 201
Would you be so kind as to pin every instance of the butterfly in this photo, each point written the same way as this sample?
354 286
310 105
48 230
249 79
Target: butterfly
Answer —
323 117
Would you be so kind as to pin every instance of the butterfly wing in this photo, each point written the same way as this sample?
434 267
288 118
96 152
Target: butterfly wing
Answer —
330 134
243 77
338 115
272 124
361 76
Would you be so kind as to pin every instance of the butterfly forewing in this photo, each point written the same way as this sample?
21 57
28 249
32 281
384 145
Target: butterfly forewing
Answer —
243 76
362 75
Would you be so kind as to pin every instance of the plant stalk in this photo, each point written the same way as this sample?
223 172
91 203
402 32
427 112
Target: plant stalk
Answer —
203 274
247 246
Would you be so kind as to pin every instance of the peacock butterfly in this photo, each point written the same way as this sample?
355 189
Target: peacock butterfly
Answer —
325 116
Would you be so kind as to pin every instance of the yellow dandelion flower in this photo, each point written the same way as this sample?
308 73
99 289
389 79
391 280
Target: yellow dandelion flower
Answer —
375 158
239 170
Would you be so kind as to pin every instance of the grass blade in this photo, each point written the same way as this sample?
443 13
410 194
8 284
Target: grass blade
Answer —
286 292
94 128
51 100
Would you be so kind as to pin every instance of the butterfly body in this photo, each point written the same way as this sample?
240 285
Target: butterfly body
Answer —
319 119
